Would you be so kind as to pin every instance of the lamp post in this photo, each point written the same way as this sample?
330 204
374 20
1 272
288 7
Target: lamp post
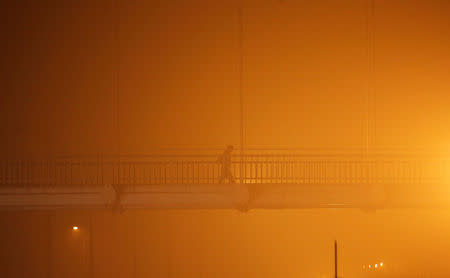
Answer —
87 242
335 260
50 246
91 249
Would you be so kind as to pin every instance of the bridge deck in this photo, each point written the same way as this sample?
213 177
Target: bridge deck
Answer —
205 170
227 196
262 181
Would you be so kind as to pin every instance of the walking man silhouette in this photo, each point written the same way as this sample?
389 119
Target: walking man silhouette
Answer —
225 160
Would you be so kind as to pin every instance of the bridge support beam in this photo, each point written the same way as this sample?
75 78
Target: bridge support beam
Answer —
225 196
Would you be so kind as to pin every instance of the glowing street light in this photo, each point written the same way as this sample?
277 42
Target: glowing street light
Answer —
375 266
75 228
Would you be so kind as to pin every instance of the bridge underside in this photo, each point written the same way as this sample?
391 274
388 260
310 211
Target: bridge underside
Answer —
227 196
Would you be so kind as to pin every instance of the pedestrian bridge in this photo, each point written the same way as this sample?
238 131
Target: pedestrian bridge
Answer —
262 181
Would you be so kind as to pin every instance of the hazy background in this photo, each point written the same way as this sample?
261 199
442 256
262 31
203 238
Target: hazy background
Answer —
283 243
132 76
89 77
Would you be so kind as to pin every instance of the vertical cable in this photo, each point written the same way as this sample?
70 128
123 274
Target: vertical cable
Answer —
116 14
118 89
374 103
241 95
366 126
370 73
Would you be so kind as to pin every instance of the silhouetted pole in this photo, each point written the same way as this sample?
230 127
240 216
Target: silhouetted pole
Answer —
335 260
134 245
50 245
91 251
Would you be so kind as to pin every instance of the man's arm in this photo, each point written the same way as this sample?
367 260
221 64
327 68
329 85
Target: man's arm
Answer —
220 159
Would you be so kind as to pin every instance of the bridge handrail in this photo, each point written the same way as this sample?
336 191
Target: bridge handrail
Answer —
259 168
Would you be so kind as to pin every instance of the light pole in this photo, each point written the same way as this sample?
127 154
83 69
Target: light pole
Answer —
86 243
91 249
335 260
50 246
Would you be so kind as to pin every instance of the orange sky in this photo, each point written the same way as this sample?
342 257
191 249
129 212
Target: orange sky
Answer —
305 85
305 75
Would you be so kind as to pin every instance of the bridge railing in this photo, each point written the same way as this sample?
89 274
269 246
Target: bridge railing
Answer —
205 170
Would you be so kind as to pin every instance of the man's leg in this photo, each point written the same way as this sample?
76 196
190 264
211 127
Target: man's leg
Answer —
222 176
230 176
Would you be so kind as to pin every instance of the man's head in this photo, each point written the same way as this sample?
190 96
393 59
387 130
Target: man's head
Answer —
230 148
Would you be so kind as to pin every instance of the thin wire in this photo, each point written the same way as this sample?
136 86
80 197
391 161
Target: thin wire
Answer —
241 91
116 83
370 70
374 106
